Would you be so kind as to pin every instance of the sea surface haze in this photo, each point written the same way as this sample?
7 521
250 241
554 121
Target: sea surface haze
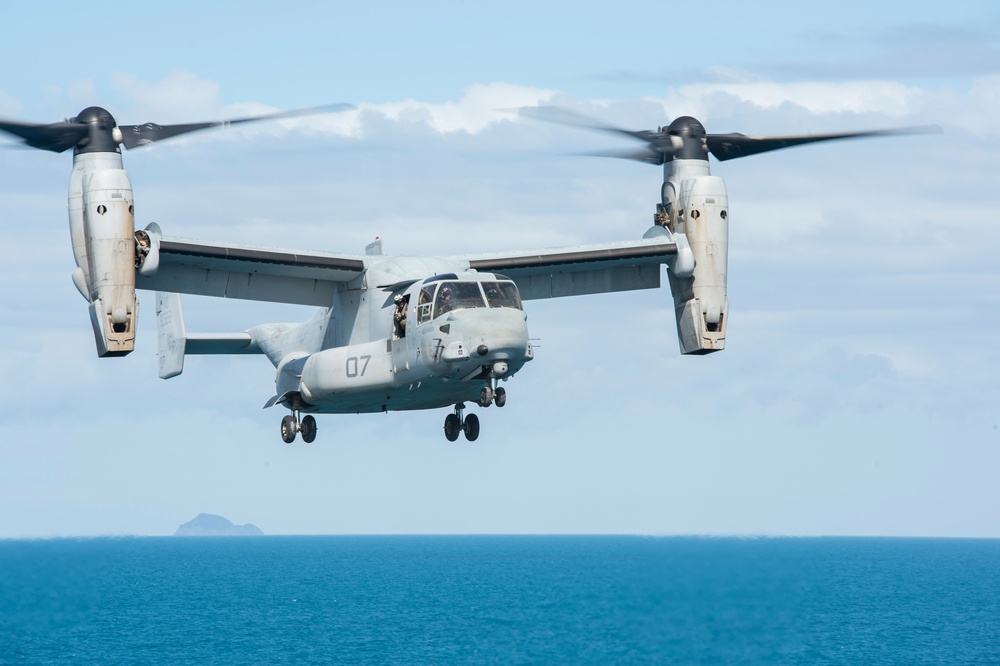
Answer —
500 599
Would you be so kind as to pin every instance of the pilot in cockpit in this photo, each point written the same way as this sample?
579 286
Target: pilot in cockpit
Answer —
447 298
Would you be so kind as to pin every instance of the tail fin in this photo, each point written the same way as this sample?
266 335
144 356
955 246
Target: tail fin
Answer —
171 341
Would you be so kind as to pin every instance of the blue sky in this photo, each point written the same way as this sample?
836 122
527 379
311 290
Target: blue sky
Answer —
858 392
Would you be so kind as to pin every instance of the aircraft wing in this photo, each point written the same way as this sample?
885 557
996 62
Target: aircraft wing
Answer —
581 269
229 270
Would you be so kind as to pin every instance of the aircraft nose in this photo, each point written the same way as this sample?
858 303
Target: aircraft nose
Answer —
494 334
501 337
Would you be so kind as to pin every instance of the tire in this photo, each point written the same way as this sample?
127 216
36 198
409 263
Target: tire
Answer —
288 429
500 397
309 429
471 427
452 427
486 397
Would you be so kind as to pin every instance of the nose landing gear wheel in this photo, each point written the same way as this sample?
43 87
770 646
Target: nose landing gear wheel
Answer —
288 429
486 397
452 426
500 397
308 428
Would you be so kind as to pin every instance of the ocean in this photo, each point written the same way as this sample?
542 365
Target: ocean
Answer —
500 600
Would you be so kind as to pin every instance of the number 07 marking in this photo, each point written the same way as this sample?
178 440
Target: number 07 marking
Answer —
352 365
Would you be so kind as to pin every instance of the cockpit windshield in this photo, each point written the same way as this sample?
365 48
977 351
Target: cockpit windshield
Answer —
462 295
502 295
457 296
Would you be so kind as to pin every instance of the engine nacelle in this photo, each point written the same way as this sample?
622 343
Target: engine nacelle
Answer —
108 258
701 213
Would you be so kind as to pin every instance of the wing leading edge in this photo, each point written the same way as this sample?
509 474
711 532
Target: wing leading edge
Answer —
228 270
581 269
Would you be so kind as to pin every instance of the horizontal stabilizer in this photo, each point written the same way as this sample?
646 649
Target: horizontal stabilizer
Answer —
221 343
173 343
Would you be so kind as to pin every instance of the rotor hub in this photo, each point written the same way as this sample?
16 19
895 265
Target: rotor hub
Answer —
690 134
101 131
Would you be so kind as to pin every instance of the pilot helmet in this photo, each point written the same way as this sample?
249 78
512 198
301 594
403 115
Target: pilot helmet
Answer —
398 298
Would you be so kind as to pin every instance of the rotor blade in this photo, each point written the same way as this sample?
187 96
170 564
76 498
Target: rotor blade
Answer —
134 136
561 116
730 146
56 137
638 155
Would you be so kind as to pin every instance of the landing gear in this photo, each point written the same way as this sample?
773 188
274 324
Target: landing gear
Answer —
471 427
490 396
308 428
452 426
290 426
457 423
288 429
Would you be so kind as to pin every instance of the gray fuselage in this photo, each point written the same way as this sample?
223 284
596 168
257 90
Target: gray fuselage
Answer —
463 332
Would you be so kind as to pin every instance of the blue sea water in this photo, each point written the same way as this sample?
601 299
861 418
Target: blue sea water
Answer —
500 599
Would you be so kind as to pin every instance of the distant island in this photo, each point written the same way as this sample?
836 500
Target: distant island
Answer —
207 524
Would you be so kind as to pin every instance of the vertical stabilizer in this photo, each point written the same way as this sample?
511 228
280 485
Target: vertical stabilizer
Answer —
171 337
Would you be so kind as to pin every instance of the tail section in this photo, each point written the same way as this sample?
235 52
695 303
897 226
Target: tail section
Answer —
173 343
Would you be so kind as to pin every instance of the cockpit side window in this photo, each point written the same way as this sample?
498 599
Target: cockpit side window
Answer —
502 295
424 302
457 296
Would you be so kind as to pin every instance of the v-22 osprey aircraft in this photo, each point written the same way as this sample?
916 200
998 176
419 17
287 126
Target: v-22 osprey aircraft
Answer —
392 332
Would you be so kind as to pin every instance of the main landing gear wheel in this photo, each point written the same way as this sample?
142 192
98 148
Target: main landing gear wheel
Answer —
290 426
471 427
308 428
457 423
288 429
452 426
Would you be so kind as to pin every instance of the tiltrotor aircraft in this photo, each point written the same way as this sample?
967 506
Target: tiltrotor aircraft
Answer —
460 328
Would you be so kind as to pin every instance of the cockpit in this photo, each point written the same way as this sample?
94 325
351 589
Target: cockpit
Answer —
443 296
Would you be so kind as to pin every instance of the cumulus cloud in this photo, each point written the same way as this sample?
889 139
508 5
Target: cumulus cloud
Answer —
180 96
479 107
183 96
974 111
889 98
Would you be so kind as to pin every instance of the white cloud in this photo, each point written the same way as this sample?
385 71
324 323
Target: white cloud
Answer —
885 97
481 106
972 110
975 111
179 97
185 97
